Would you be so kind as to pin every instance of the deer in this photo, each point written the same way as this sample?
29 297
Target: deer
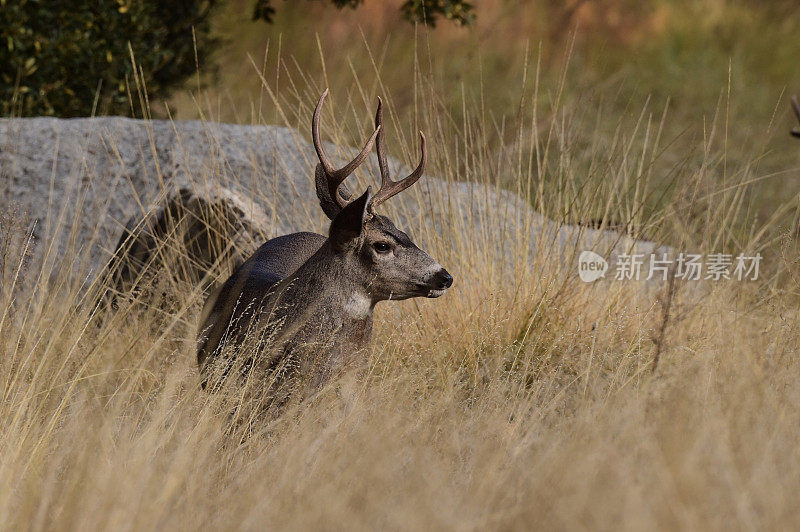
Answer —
311 297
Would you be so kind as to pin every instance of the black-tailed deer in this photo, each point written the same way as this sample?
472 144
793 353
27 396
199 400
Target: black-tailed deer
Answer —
303 303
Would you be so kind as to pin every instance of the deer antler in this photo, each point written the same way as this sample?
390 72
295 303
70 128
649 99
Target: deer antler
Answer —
336 177
388 187
795 106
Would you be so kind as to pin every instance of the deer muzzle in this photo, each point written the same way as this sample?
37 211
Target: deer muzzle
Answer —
438 283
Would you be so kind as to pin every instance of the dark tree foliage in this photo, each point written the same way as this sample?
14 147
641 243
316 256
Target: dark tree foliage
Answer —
429 11
425 11
58 57
73 57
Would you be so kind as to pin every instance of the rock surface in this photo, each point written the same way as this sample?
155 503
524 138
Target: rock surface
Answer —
84 180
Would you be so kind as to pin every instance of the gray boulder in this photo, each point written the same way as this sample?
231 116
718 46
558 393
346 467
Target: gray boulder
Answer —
94 185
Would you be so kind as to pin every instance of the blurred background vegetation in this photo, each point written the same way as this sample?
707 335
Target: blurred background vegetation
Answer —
709 78
77 58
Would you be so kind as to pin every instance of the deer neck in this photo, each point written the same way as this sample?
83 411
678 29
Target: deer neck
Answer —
327 285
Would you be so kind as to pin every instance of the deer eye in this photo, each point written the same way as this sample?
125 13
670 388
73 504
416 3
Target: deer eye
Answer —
382 247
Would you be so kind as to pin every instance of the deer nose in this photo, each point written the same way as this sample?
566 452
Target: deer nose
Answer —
444 279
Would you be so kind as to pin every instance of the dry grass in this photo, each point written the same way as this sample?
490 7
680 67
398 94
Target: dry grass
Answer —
518 400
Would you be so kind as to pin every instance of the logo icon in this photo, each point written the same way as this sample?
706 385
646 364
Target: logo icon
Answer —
591 266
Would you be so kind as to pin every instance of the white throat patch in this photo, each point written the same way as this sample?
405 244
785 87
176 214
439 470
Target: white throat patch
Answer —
358 306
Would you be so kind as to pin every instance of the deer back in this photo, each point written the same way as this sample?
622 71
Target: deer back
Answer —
251 282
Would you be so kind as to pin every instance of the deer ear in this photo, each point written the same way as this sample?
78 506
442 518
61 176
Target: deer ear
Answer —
347 225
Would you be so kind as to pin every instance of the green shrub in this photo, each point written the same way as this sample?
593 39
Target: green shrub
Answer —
71 57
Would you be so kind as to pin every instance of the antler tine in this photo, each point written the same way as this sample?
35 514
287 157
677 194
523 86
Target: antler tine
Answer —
336 177
380 143
391 188
323 158
796 107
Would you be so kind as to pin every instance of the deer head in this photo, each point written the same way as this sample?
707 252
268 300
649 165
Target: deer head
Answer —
381 257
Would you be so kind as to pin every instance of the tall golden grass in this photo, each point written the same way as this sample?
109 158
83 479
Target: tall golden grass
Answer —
523 398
